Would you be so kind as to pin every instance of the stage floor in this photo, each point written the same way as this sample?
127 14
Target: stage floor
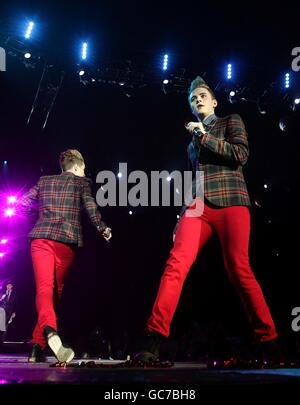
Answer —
14 369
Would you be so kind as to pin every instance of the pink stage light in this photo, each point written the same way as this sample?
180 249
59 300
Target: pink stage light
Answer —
2 255
11 199
3 241
9 212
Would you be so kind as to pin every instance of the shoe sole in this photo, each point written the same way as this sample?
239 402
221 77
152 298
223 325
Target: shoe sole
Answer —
146 357
34 360
62 353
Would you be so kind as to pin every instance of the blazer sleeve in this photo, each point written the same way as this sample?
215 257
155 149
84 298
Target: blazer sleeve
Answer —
29 200
90 206
234 147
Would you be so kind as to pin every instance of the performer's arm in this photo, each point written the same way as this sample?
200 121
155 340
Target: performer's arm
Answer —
27 201
235 147
92 210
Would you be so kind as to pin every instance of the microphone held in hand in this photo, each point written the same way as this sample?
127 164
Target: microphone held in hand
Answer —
107 234
197 132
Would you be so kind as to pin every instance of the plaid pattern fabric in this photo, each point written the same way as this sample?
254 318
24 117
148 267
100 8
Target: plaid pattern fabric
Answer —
59 199
220 154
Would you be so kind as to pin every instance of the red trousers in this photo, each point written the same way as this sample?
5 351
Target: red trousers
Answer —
51 261
232 224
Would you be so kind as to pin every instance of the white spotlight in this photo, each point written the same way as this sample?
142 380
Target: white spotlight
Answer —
27 55
81 73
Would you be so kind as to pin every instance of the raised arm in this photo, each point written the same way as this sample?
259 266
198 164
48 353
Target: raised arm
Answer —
234 147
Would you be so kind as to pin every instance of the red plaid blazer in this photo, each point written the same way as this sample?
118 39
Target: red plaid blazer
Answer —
220 154
59 199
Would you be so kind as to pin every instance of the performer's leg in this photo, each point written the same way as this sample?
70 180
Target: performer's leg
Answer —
233 227
43 259
64 256
192 234
51 260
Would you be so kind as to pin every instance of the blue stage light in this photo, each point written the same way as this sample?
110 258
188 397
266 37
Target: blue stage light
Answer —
84 51
165 62
229 71
287 81
29 29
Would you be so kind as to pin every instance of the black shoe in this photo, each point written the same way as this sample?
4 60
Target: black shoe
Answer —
37 354
62 353
145 357
148 348
274 355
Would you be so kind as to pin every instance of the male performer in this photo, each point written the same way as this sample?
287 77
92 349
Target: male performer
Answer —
219 148
7 309
54 239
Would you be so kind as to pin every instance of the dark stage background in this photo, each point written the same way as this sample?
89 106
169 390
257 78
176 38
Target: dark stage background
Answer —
112 286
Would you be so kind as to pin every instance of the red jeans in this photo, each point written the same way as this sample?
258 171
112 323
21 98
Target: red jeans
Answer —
232 224
51 261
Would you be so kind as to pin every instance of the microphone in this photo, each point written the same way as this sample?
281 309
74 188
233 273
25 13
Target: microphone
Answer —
197 132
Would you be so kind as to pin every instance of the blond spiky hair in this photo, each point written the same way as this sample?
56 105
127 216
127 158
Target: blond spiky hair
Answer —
199 82
69 158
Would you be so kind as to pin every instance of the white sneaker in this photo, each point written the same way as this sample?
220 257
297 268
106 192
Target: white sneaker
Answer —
62 353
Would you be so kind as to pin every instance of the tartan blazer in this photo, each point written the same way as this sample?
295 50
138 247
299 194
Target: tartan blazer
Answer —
220 153
59 199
